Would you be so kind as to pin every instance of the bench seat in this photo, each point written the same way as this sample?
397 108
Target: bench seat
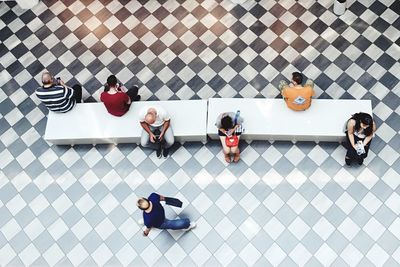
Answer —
90 123
271 119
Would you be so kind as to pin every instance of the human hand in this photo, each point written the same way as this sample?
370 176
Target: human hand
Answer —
161 136
146 232
152 138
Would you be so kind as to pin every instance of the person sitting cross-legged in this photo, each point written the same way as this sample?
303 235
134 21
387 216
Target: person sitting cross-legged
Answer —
296 96
116 98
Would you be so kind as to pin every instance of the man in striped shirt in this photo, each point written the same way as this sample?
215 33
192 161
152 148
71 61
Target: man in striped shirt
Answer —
56 96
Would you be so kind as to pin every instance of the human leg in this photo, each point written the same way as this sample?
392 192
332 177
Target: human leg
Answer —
133 93
236 151
169 137
176 224
77 93
226 149
145 140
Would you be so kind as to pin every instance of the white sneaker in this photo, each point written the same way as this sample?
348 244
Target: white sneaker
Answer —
140 222
191 226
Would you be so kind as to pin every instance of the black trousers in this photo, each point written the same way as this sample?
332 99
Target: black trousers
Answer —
77 93
133 93
351 152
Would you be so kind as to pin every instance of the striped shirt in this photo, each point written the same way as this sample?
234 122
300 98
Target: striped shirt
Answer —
57 98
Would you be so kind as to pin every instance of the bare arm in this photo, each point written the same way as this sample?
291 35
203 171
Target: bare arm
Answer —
165 128
350 132
369 137
146 127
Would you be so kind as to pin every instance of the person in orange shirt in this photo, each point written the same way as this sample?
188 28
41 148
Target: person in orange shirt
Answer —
296 96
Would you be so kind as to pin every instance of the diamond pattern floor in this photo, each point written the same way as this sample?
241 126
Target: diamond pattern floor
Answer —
281 205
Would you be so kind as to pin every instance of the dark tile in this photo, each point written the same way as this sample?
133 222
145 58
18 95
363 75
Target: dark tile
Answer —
238 28
279 45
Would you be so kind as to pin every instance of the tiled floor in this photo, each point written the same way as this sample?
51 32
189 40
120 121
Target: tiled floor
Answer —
283 204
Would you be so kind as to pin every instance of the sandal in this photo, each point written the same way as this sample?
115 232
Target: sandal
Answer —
228 158
236 157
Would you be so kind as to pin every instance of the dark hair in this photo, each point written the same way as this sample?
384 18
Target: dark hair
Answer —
112 80
297 77
226 122
364 118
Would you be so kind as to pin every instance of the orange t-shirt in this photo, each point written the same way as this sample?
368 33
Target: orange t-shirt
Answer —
296 98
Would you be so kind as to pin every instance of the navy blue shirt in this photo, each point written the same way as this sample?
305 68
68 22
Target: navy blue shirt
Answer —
156 216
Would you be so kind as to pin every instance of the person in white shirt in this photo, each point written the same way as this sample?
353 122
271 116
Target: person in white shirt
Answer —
157 132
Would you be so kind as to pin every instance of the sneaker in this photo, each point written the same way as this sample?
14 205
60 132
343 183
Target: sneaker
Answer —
137 98
348 161
158 152
191 226
360 161
165 152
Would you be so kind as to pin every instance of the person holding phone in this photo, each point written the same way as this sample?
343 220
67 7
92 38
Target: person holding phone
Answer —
229 126
56 95
360 129
116 98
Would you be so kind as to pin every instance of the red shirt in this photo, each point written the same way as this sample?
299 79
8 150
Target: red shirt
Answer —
116 104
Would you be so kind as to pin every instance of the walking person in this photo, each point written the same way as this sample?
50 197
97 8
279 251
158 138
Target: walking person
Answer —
154 215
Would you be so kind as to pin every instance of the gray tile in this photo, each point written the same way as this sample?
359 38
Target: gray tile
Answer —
287 241
75 191
385 216
335 215
48 216
235 241
261 215
262 241
237 215
286 215
91 241
24 217
363 242
118 216
212 241
310 215
213 215
71 216
113 262
337 242
43 241
121 191
333 191
308 190
95 216
67 242
98 192
115 242
260 166
360 215
381 190
378 166
188 241
389 242
357 190
20 241
313 262
284 167
312 241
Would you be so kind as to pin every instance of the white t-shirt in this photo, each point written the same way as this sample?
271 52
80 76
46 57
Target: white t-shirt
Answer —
162 115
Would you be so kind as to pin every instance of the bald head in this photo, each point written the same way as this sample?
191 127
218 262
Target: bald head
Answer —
151 115
47 79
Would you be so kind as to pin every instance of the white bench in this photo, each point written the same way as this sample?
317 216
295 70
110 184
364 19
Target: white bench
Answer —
271 119
90 123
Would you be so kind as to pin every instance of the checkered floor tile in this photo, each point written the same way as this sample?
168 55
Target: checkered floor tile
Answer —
283 204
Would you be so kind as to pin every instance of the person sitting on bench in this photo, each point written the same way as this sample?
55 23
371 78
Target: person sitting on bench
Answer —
157 132
56 96
117 98
229 126
296 96
359 131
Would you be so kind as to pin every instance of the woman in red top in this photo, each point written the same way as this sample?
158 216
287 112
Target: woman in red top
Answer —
117 98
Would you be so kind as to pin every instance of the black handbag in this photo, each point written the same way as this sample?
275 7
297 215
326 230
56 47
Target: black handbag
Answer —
173 202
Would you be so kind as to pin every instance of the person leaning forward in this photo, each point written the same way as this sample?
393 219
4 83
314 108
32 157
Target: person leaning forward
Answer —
56 96
296 96
157 132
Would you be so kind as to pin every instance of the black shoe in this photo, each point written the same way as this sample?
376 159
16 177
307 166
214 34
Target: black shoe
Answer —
360 161
165 152
137 98
158 152
348 161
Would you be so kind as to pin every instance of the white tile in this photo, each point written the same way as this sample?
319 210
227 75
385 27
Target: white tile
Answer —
249 155
299 228
346 203
318 155
371 203
179 179
225 254
225 202
226 179
62 204
105 228
295 155
92 157
374 228
351 255
10 229
367 178
29 255
388 154
157 179
300 255
274 228
200 254
7 253
77 255
272 155
175 254
58 229
53 255
377 255
129 228
395 227
81 228
39 204
150 255
297 202
203 179
275 254
323 228
250 254
273 202
249 178
296 178
34 229
225 228
48 158
391 178
349 228
249 203
393 202
343 178
202 203
108 203
325 255
321 202
202 231
102 254
26 158
16 204
249 228
126 254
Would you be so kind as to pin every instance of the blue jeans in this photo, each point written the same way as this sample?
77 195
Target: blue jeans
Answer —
176 224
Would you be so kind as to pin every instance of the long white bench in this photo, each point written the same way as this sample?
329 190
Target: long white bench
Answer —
90 123
271 119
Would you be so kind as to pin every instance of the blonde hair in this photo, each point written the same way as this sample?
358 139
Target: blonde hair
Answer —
143 203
